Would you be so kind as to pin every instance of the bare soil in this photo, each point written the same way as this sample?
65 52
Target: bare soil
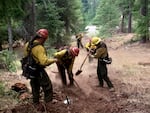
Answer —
129 72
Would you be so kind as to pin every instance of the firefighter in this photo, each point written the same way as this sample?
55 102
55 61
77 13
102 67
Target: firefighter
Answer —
89 50
101 53
40 77
66 58
79 40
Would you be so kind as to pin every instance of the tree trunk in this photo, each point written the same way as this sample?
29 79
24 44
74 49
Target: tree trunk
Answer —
130 18
10 38
130 23
144 12
29 20
1 46
34 16
67 26
122 24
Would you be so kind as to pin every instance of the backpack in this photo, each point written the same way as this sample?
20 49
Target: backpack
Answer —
28 64
106 60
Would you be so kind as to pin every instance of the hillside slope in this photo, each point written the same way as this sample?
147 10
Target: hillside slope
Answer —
129 72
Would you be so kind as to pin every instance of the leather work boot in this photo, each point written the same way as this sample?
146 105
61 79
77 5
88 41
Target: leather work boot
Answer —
99 85
71 83
39 107
112 89
48 106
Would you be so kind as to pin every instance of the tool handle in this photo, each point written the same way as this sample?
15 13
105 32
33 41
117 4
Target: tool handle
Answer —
84 61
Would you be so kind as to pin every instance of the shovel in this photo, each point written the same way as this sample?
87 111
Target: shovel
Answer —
79 70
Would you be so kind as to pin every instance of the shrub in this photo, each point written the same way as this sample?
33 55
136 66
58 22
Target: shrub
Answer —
8 59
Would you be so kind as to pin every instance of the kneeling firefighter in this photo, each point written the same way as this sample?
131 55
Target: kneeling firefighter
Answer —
66 58
101 53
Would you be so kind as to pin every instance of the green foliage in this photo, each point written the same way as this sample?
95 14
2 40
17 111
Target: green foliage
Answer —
71 15
66 17
107 17
50 52
89 10
2 89
141 22
60 17
8 59
140 29
133 40
77 23
103 32
11 94
49 18
10 9
3 34
7 93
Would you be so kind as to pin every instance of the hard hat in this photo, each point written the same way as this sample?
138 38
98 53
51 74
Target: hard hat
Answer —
93 47
81 34
95 40
74 51
43 33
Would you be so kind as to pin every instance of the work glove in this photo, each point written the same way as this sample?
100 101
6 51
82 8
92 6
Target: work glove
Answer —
92 51
91 55
56 60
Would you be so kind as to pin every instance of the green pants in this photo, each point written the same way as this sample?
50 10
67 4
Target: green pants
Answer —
41 80
79 43
62 70
103 74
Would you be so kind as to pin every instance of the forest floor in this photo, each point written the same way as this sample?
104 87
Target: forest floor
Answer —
129 72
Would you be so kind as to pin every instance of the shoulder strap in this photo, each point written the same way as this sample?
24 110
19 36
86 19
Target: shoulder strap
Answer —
30 46
35 44
101 45
66 54
30 55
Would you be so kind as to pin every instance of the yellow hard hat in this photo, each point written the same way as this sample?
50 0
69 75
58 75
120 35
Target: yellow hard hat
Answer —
95 40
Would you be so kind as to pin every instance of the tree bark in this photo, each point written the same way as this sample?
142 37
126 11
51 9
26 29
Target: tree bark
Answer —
130 23
130 18
29 20
67 24
10 38
144 12
122 24
1 46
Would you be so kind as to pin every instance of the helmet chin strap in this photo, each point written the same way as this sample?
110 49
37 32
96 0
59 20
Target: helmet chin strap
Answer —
41 40
70 53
